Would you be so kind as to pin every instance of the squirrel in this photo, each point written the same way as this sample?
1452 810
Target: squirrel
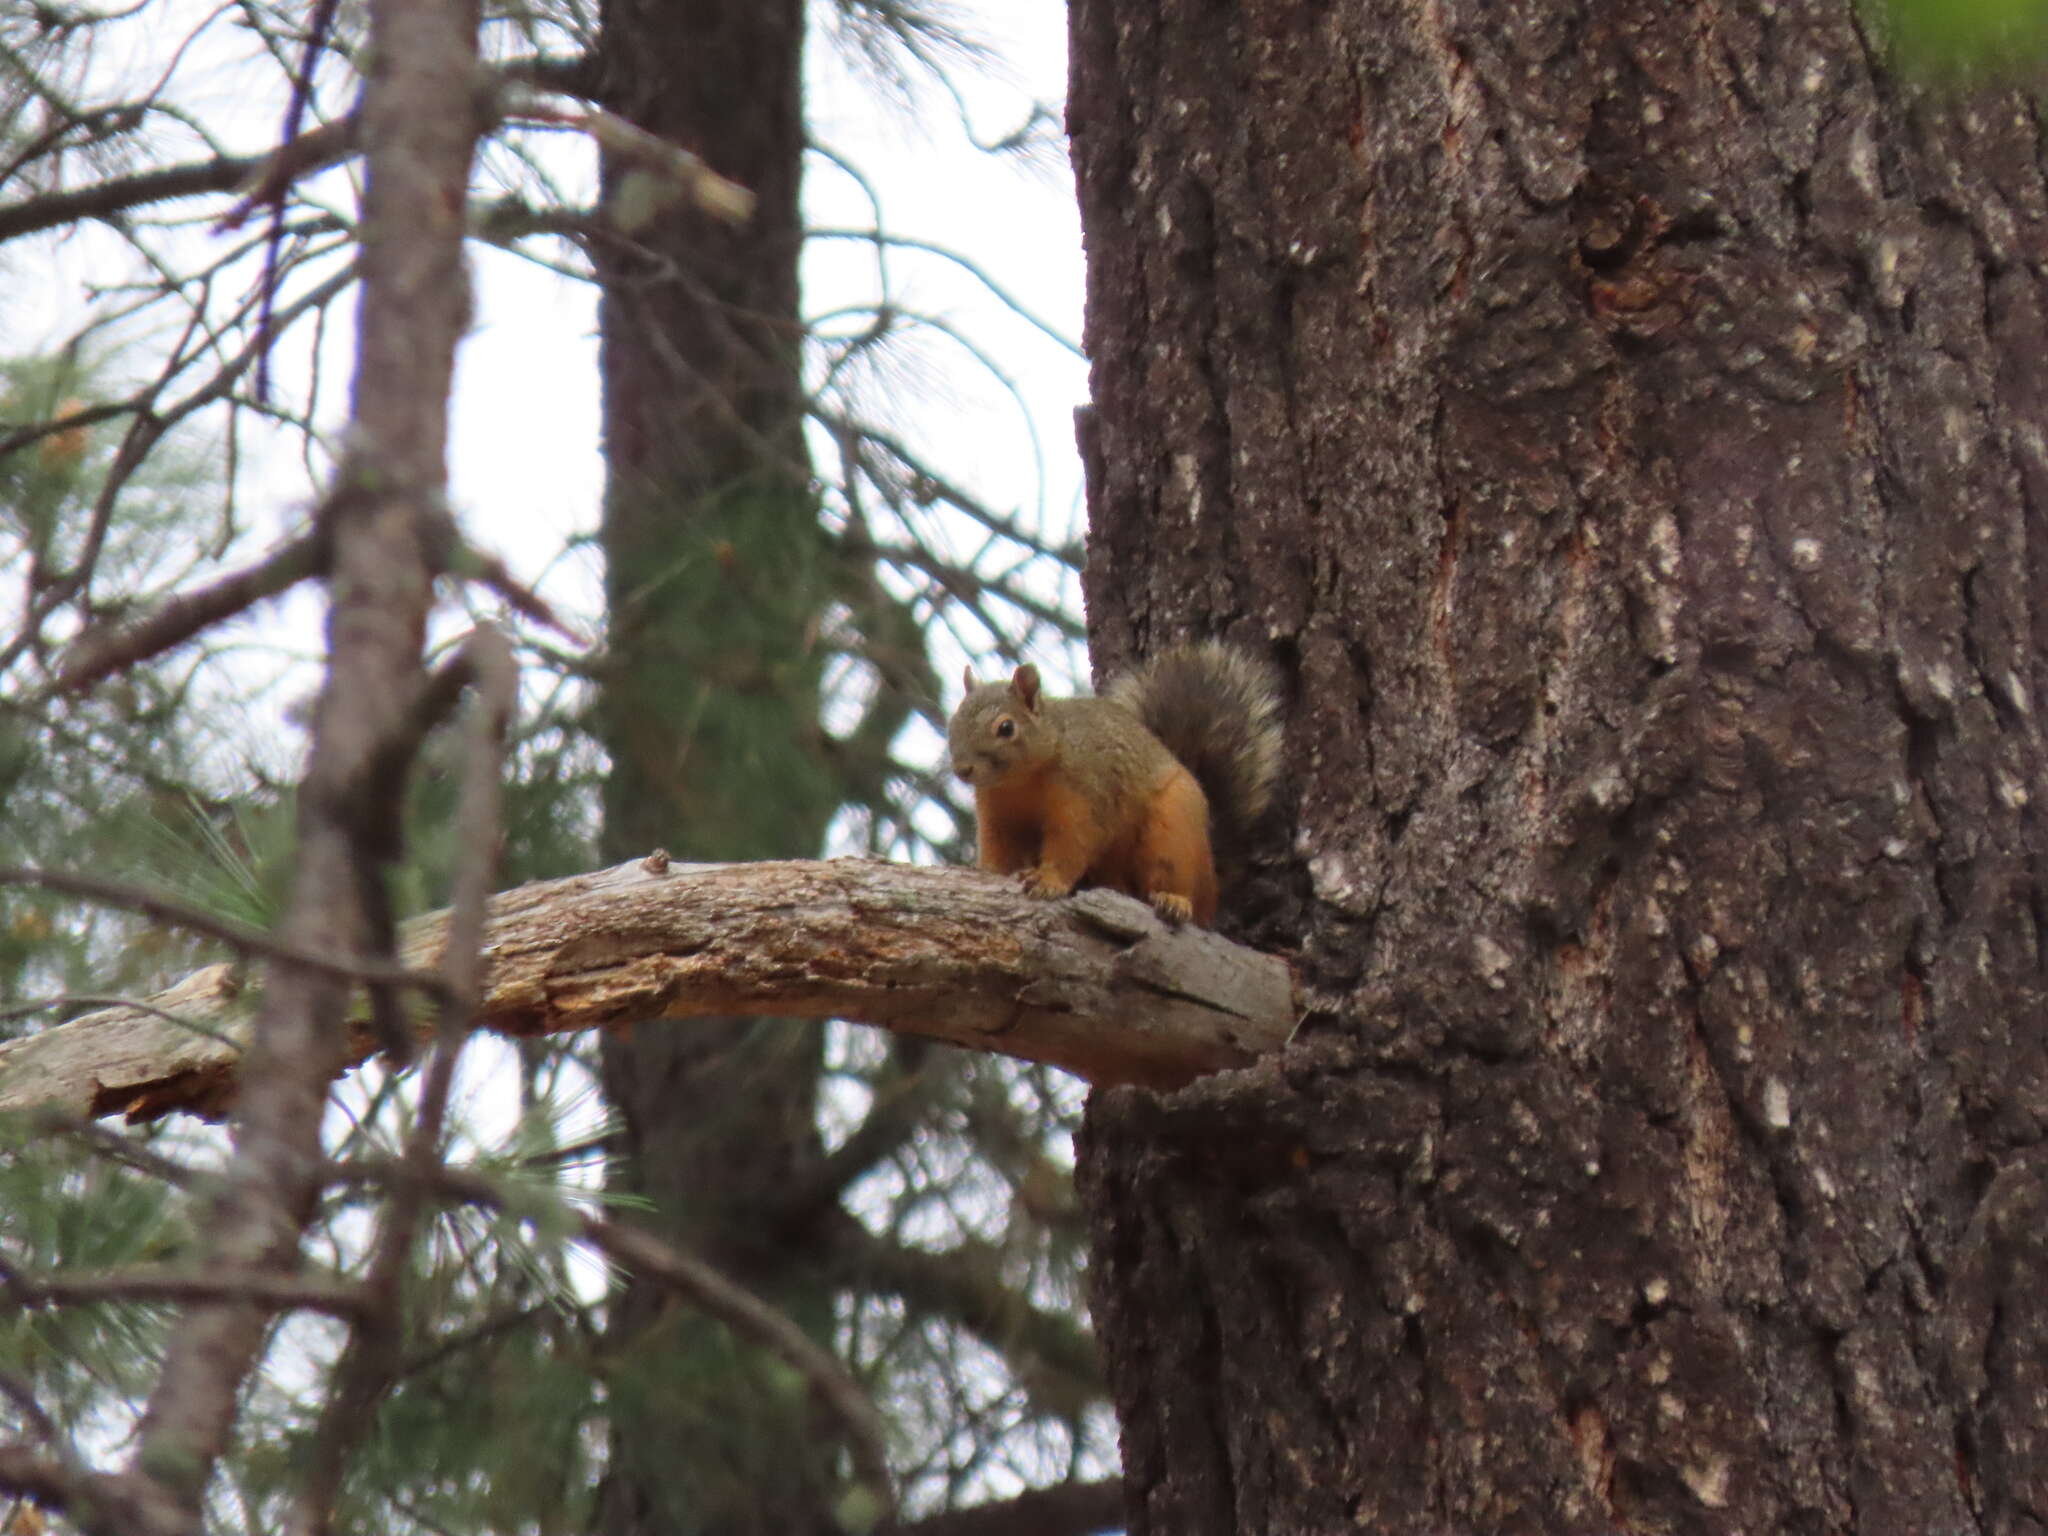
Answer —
1118 790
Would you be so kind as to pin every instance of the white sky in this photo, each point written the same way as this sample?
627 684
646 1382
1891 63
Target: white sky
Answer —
524 457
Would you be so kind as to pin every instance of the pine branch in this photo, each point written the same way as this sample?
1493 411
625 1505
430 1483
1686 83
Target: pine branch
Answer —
100 651
419 139
266 176
158 1282
702 1287
109 199
1095 984
1046 1350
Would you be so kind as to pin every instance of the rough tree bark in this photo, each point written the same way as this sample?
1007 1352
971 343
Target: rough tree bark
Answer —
1623 420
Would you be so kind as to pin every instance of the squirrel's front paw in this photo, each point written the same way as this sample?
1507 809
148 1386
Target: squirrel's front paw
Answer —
1173 907
1043 885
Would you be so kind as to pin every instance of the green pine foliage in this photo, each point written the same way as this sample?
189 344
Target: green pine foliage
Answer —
65 1210
1948 39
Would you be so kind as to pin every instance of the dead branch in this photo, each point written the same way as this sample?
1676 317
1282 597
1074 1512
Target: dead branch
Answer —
1065 1509
102 650
157 1282
1095 984
418 138
714 194
373 1358
110 199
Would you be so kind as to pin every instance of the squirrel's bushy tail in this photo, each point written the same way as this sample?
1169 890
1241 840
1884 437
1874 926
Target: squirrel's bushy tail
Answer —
1218 711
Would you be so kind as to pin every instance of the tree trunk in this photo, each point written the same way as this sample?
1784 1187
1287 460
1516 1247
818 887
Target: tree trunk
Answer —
714 584
1624 422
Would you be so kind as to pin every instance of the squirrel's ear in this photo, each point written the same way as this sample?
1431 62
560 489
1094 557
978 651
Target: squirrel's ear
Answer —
1025 685
967 679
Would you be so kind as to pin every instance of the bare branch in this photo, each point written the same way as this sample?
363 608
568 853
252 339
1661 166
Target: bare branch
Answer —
107 199
934 486
151 1282
1066 1509
1096 984
419 138
34 1475
100 651
265 177
713 193
149 426
22 1395
491 571
138 898
372 1361
115 1147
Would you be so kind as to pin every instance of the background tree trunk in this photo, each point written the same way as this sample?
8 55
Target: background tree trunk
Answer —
1624 421
710 718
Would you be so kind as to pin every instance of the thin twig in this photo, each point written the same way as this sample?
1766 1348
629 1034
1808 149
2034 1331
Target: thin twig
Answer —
111 648
18 1392
137 898
468 1338
116 1147
492 571
882 238
109 199
153 1282
704 1287
938 487
149 426
317 29
93 1000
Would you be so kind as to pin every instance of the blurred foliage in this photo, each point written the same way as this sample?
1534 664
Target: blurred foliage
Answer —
1959 40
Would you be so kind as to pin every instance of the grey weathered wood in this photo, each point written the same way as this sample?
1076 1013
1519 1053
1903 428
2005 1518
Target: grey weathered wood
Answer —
1096 984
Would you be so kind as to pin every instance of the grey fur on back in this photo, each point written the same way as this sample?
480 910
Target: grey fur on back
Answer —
1217 709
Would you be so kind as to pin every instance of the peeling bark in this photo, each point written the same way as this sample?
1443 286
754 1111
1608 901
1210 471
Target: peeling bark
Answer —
1095 984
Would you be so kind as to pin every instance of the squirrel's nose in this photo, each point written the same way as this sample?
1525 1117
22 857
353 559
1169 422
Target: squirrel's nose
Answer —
966 771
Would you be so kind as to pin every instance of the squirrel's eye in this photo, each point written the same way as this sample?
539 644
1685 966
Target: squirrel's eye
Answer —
1006 728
